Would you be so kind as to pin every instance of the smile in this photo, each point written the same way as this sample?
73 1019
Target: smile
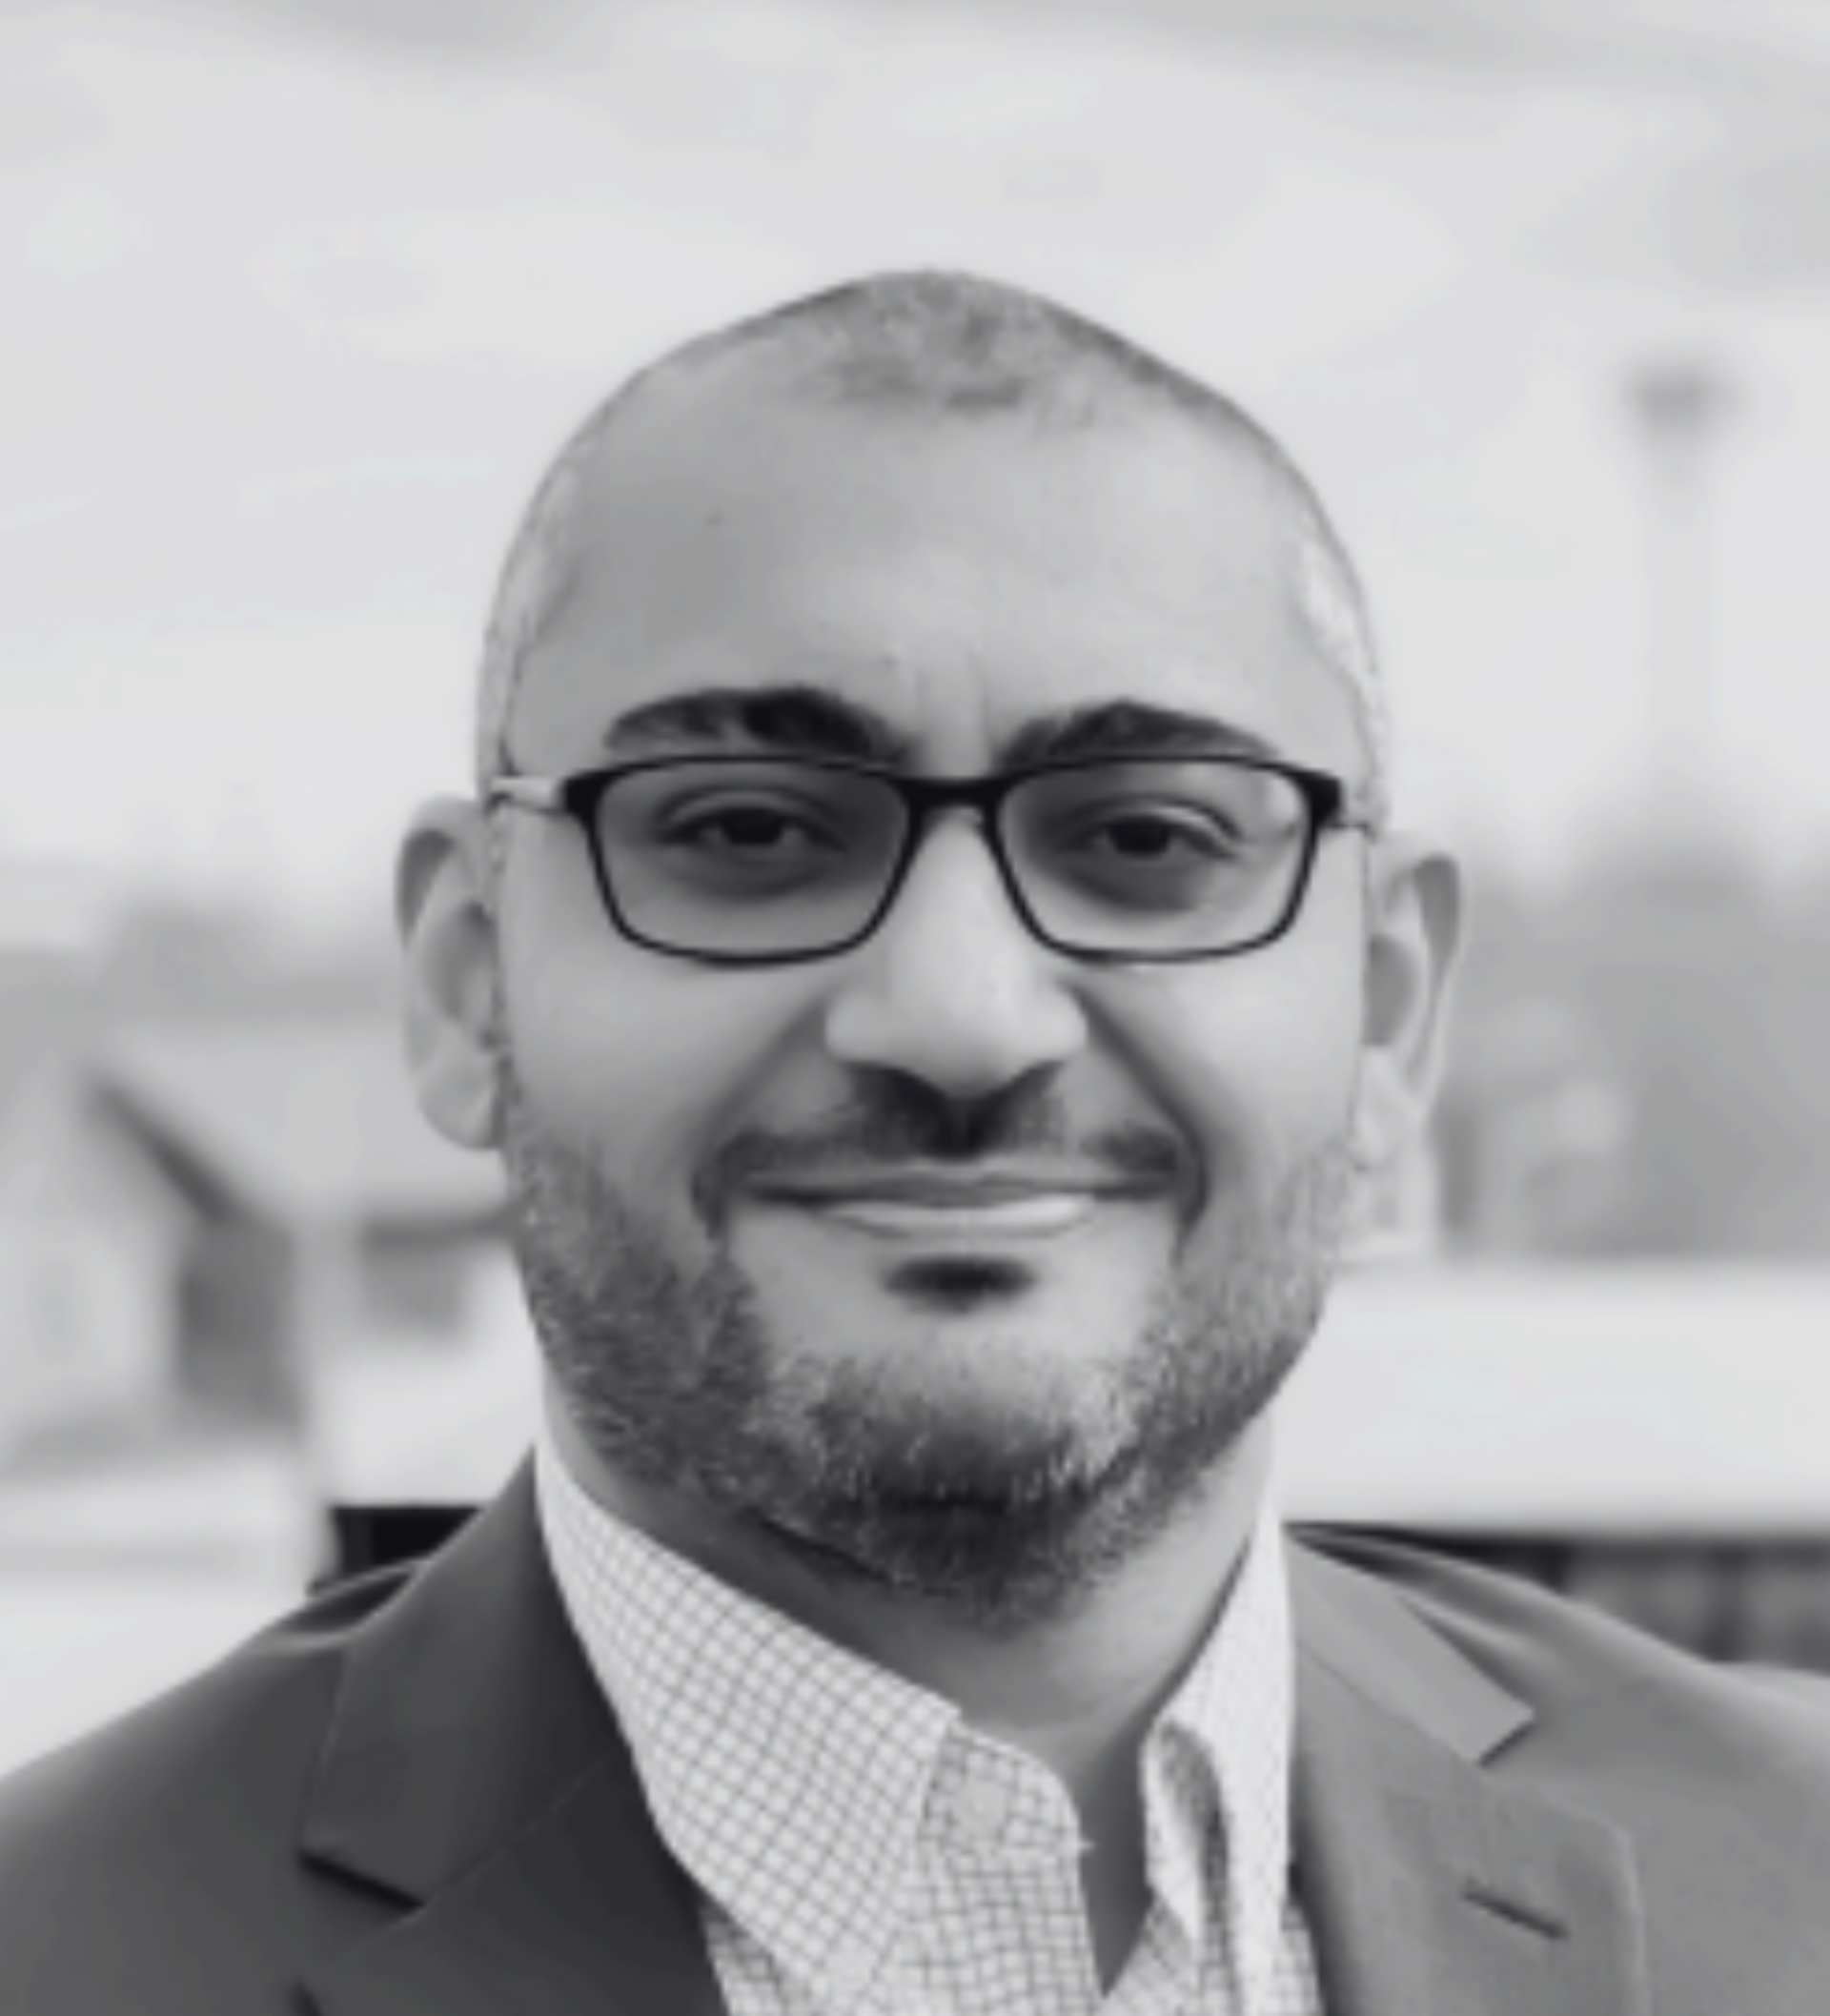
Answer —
934 1206
1043 1214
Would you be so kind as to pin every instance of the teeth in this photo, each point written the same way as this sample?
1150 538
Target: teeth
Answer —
1050 1214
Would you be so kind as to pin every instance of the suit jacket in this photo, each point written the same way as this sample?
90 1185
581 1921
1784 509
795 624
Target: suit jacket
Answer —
410 1799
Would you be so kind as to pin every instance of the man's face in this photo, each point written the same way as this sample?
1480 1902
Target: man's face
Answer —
950 1261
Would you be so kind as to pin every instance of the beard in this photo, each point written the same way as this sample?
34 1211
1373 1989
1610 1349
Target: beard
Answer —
672 1375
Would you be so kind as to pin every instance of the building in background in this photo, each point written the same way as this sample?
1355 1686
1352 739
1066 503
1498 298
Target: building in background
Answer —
199 1215
91 1238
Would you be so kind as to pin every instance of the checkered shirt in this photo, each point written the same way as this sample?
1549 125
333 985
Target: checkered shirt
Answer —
861 1851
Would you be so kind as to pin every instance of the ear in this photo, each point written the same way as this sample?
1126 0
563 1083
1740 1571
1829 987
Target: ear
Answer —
447 928
1413 943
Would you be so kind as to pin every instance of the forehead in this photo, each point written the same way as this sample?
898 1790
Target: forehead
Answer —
959 578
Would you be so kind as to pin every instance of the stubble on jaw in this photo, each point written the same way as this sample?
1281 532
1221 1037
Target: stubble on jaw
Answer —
671 1376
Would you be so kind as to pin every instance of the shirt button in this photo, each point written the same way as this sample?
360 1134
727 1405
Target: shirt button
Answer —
851 1967
981 1809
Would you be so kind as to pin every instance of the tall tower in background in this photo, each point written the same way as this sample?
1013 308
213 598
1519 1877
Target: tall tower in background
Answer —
1681 409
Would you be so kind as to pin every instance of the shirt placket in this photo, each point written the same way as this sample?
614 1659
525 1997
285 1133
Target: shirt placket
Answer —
1003 1932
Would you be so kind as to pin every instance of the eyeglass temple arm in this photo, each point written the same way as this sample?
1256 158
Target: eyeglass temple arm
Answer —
1359 811
533 794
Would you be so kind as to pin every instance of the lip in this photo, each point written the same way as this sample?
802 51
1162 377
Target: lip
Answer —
927 1207
938 1191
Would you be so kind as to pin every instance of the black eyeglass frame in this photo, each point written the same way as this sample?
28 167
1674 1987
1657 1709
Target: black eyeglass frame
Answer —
577 797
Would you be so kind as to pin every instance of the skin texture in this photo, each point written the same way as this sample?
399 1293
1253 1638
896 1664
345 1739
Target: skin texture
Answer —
1017 1473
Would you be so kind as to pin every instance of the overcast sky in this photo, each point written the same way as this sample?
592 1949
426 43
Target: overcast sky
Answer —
291 321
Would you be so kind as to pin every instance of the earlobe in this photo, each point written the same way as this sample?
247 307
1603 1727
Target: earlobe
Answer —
1414 942
450 1015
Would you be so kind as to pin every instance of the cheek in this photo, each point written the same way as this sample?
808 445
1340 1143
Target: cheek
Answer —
640 1062
1257 1060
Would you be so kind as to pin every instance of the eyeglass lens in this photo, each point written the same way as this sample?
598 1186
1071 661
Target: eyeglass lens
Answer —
779 858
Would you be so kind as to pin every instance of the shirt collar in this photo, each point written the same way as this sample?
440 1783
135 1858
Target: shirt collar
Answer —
1222 1745
760 1744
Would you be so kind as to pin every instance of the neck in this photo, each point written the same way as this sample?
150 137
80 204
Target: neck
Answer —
1078 1694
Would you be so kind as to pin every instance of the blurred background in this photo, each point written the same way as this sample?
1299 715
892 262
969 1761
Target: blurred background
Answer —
300 294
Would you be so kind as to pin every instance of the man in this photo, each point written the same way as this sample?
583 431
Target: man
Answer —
929 950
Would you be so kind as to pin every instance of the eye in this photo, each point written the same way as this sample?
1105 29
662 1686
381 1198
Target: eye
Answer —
1168 834
748 829
742 829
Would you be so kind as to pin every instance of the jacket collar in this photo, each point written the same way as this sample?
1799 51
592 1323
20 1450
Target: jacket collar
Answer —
1430 1882
472 1770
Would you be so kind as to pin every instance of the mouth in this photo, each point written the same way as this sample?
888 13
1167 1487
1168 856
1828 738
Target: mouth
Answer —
1043 1215
931 1208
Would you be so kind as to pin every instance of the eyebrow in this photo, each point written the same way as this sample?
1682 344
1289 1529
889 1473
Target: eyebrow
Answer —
1128 727
792 721
809 721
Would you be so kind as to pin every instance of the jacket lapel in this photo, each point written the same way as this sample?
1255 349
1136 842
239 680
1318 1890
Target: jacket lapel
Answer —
474 1772
1435 1886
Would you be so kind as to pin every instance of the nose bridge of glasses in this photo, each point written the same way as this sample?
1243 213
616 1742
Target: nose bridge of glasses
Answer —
928 800
937 803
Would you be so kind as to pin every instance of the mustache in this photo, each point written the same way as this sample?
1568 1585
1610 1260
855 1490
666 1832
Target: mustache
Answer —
897 1121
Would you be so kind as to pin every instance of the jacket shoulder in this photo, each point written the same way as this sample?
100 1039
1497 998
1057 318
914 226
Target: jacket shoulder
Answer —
1548 1647
157 1857
1593 1683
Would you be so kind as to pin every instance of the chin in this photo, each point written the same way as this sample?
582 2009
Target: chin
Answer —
959 1327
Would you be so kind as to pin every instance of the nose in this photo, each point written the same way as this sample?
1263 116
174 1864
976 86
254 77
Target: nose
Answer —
953 988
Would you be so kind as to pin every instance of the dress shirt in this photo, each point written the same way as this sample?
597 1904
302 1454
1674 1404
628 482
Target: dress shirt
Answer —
860 1850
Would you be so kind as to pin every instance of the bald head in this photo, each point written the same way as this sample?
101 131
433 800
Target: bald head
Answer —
953 348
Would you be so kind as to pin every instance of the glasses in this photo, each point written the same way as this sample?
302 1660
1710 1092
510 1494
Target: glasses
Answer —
771 861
